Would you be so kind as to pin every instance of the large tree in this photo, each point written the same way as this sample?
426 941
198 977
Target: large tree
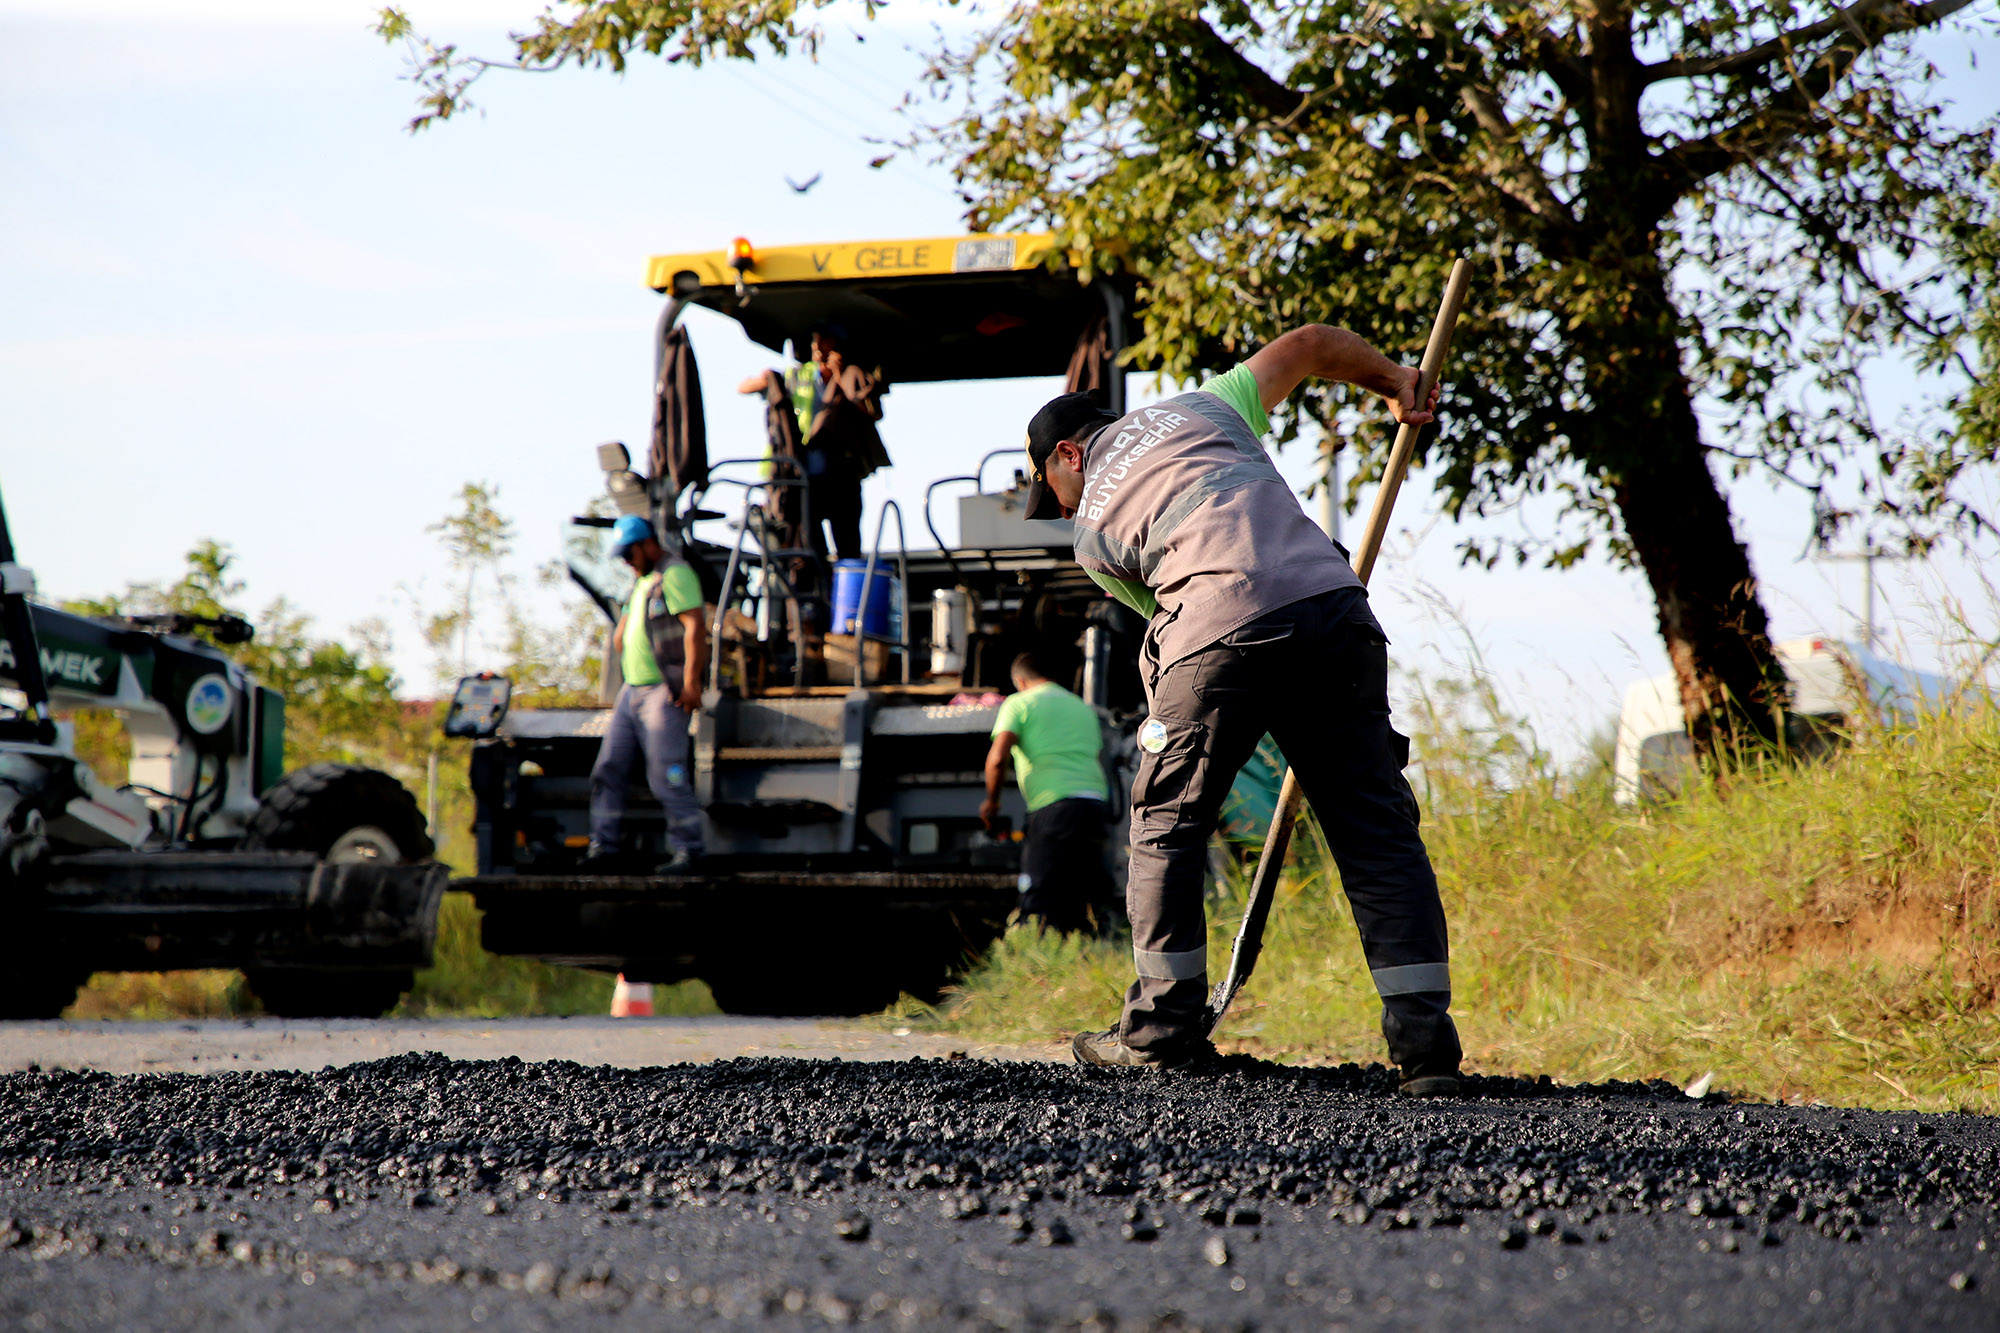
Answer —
1719 206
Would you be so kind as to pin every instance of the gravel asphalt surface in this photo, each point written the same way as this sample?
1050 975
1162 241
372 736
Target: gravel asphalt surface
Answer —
420 1191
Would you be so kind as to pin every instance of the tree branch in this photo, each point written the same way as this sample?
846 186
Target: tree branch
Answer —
1527 186
1565 69
1765 130
1872 21
1278 100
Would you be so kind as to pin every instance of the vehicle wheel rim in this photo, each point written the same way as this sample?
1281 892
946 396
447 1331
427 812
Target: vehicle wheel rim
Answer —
364 843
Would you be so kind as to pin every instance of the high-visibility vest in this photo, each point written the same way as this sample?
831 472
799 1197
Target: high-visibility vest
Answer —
802 382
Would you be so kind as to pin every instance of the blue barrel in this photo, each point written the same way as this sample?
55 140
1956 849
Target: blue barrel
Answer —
847 577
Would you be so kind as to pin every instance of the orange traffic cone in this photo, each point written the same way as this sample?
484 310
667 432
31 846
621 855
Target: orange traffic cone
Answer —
631 999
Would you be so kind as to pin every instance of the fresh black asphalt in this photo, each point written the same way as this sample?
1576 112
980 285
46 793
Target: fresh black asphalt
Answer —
420 1192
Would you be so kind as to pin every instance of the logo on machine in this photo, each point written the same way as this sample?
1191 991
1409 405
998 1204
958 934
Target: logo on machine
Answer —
63 666
208 705
1153 736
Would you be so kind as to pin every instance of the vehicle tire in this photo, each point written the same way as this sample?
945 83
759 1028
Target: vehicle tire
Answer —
305 992
29 990
341 812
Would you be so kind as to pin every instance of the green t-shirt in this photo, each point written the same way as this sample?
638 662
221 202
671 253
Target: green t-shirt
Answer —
683 593
1056 745
1238 388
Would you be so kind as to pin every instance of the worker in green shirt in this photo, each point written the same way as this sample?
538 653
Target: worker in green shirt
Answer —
1055 740
661 640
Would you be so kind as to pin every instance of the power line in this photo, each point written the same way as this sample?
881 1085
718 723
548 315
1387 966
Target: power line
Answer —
836 135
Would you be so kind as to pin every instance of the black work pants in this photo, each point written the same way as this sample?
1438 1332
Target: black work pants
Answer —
836 501
1313 674
1063 880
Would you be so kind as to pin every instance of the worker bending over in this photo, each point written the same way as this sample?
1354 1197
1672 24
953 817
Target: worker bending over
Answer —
1056 743
661 641
1258 625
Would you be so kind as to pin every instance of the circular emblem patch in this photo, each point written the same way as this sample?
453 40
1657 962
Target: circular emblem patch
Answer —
208 705
1153 736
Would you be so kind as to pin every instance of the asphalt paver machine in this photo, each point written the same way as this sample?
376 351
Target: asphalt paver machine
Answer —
319 883
839 766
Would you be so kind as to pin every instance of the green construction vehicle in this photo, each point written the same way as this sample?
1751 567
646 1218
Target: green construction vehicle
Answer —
318 884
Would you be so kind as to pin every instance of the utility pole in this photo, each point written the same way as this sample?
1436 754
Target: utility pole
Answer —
1866 557
1329 495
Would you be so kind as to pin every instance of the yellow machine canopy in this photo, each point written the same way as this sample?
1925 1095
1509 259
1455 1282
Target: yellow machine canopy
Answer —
937 308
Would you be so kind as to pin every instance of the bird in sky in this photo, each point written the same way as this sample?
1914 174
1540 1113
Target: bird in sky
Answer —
800 187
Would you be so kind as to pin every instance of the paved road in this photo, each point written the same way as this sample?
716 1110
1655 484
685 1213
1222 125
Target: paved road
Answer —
627 1043
420 1192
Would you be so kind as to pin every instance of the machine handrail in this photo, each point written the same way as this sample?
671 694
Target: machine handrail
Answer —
979 473
944 550
753 521
861 634
696 494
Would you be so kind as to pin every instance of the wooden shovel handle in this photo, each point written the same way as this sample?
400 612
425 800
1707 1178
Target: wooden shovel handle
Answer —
1406 437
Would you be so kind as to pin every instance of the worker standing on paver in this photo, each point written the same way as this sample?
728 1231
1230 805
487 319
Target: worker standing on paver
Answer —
1057 745
1257 624
661 640
836 404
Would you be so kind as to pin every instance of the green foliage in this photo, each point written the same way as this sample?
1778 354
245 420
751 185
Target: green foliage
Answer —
1829 931
1736 219
340 699
1976 410
476 538
1729 198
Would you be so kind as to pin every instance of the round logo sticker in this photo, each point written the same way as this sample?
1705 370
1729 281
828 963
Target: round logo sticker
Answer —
208 705
1153 736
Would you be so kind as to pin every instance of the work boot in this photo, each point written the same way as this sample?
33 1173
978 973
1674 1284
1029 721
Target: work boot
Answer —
1106 1051
600 860
1430 1083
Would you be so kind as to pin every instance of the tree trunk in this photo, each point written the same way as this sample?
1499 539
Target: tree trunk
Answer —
1643 439
1710 614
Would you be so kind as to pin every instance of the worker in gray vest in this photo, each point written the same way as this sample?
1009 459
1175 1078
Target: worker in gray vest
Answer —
661 641
1257 624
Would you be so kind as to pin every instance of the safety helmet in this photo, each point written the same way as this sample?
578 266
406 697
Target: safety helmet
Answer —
628 532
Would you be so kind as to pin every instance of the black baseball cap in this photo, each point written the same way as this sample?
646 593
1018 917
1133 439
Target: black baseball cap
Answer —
1073 416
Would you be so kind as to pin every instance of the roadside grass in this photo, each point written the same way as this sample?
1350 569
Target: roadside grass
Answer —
1823 932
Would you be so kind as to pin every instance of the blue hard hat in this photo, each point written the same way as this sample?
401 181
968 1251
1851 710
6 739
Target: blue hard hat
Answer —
628 532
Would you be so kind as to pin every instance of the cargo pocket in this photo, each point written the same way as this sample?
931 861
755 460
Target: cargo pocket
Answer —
1173 757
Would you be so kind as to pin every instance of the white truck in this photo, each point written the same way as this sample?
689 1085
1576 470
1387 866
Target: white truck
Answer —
1832 682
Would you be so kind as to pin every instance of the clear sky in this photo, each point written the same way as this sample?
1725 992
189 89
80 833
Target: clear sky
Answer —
241 302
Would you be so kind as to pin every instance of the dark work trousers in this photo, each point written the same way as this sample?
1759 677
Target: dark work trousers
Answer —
836 501
1063 879
1314 674
647 727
